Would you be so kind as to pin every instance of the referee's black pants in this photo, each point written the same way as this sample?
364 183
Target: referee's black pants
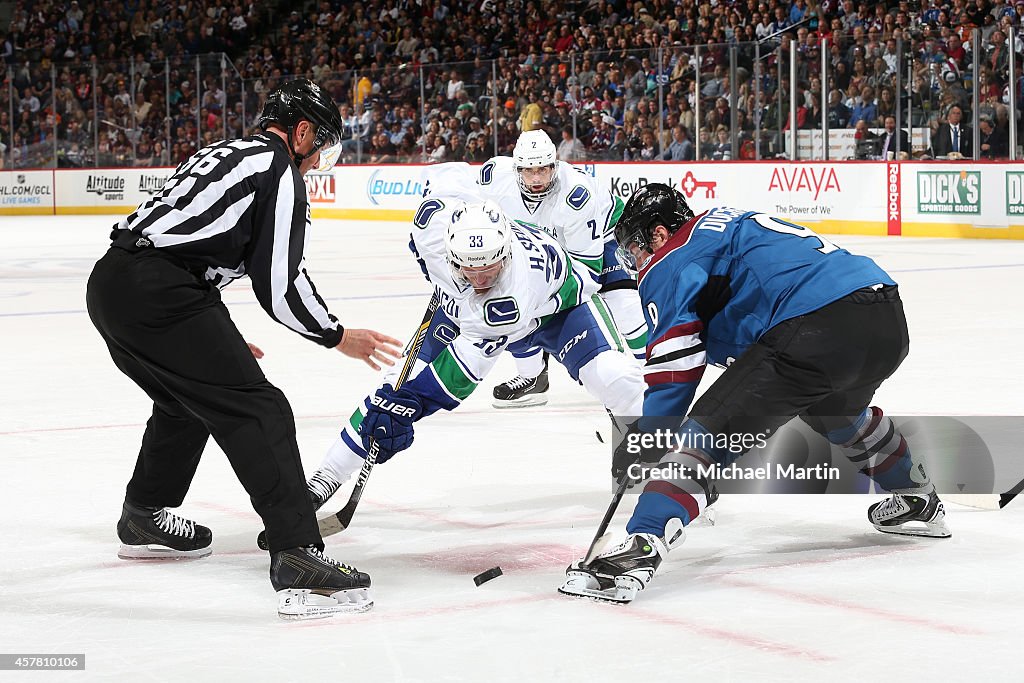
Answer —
167 329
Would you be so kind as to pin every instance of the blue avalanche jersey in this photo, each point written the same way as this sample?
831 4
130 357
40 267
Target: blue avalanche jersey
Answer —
723 280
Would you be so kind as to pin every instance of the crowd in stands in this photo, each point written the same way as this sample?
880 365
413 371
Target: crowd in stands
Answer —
140 82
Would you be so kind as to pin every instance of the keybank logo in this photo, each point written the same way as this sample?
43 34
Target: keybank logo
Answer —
950 192
388 183
1015 193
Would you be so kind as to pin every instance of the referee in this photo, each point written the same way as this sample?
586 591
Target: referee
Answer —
235 208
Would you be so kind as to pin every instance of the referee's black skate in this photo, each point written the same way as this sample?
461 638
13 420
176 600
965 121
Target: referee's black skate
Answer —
311 585
320 487
149 533
521 392
911 514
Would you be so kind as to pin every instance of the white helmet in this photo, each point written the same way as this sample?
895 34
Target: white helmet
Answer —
534 149
478 238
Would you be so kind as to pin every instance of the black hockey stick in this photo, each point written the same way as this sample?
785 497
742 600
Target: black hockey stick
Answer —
1005 498
603 535
340 521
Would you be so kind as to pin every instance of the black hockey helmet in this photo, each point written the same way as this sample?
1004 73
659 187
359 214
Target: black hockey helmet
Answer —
300 100
652 205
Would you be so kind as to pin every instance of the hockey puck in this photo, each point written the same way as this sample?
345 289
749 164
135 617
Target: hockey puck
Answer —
486 576
599 437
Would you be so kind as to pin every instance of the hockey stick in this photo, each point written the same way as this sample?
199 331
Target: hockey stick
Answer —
602 536
986 501
340 521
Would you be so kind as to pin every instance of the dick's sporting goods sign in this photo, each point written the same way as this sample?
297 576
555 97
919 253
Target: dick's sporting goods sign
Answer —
951 192
1015 193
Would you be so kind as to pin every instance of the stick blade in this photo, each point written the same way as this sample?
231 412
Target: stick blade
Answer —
331 525
982 501
597 547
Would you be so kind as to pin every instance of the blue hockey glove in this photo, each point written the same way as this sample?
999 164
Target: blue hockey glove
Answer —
389 421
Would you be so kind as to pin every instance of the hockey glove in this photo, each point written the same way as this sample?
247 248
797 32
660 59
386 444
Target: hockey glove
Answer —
389 421
633 450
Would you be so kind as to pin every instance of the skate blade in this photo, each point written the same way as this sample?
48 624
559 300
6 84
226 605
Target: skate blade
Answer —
160 552
613 596
300 604
524 402
927 529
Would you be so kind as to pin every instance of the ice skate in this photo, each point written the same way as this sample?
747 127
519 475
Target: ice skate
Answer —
522 392
149 533
911 514
311 585
618 575
321 486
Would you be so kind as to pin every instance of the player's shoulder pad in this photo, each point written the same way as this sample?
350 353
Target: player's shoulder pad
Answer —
495 171
449 178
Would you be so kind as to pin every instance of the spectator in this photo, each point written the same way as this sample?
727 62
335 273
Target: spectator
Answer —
532 114
681 148
865 107
721 149
867 142
571 149
994 143
29 101
952 139
893 143
455 85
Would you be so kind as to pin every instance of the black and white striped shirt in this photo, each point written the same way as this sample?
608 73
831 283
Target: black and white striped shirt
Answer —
239 207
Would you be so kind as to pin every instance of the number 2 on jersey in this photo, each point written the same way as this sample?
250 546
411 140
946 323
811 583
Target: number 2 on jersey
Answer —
775 225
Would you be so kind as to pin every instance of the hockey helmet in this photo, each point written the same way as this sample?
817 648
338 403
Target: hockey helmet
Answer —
478 244
534 149
304 100
650 206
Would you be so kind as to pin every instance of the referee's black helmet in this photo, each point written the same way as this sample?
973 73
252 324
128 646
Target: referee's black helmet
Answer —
300 100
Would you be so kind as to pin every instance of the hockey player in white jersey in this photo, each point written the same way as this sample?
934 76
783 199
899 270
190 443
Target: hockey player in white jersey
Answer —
534 189
503 286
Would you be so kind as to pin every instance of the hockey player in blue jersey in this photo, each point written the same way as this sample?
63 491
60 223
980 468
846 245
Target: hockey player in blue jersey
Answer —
803 327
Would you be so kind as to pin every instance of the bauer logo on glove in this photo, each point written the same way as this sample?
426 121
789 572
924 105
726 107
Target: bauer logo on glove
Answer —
389 421
382 403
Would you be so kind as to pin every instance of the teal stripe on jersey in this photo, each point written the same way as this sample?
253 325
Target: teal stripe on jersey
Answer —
451 376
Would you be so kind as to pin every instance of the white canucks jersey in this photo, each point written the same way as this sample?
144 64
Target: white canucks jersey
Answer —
540 281
579 214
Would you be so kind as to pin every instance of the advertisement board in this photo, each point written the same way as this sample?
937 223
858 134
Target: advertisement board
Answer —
934 199
963 199
830 197
107 191
26 192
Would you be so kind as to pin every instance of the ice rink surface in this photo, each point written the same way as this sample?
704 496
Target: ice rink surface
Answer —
782 589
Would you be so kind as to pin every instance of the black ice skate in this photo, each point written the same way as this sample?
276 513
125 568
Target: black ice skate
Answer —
521 392
911 514
149 533
311 585
321 486
617 576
